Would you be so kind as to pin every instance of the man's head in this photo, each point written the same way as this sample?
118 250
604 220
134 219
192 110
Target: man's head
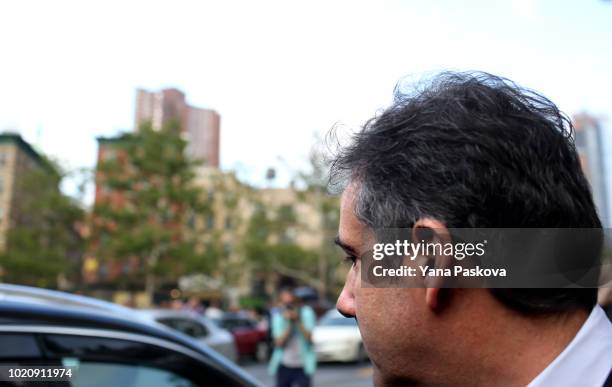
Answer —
466 151
286 297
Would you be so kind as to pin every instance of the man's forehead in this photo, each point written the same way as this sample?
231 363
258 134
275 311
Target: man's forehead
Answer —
348 197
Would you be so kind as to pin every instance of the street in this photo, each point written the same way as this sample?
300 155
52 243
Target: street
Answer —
328 374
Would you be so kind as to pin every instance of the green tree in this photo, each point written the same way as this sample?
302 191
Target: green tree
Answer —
44 245
269 243
270 247
151 197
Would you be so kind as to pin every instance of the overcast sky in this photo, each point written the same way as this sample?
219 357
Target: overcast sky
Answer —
278 71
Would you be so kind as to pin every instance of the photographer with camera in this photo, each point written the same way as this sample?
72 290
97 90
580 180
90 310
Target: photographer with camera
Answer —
294 359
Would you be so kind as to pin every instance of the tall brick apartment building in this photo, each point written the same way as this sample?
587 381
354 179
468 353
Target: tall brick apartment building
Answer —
200 127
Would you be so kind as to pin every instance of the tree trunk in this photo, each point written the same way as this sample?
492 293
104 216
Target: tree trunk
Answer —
150 278
150 286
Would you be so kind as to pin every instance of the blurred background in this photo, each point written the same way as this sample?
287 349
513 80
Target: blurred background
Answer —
171 154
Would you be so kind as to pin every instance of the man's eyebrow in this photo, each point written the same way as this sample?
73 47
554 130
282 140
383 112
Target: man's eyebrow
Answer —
347 248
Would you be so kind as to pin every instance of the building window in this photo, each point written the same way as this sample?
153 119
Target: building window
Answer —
289 235
2 159
210 221
227 249
191 221
110 155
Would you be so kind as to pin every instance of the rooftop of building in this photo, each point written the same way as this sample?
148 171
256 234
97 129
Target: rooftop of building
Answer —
24 146
120 138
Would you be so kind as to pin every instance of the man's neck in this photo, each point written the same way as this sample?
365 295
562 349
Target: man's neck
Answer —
516 349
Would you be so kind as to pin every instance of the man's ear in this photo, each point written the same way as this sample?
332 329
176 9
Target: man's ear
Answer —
429 230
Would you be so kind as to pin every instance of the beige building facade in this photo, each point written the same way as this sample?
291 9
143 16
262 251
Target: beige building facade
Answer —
17 157
233 206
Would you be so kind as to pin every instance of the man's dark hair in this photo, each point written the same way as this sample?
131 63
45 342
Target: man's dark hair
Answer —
472 150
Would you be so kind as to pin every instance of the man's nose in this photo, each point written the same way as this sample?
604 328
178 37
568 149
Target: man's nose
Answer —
346 303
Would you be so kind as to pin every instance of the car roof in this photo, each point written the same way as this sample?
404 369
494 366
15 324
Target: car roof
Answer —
28 305
25 306
156 314
47 296
170 312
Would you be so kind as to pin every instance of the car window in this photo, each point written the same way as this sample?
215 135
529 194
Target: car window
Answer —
105 362
18 346
189 327
233 323
225 324
107 374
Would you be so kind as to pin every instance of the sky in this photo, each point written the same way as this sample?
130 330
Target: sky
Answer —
279 72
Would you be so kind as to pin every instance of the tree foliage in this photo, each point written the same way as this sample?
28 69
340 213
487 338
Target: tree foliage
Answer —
270 244
43 244
151 196
269 240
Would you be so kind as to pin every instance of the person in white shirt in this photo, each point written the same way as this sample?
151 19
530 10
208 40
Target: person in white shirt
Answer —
469 150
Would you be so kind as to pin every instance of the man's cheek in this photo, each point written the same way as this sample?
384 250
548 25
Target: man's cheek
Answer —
369 308
373 319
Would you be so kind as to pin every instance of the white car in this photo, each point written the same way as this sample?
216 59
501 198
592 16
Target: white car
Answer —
200 328
337 338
